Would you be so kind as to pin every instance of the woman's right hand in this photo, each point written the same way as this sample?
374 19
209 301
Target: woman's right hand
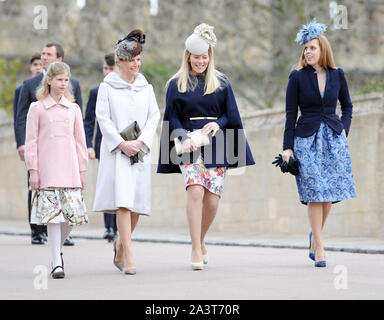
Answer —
34 180
129 148
287 153
189 145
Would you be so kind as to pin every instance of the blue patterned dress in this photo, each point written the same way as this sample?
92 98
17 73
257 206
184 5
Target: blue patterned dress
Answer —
325 166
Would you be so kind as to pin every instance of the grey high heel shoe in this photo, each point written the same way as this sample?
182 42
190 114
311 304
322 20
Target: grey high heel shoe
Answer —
131 271
119 264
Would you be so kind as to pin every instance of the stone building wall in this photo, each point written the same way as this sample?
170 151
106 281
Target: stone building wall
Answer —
255 45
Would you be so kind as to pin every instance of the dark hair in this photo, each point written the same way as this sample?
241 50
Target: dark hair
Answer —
59 49
35 56
110 59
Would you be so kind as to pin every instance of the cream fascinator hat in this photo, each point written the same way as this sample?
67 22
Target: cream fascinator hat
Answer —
200 40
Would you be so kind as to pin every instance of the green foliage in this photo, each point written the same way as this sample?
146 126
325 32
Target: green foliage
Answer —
371 85
157 74
8 72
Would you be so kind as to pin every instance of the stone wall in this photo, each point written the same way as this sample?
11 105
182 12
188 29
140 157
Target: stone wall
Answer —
255 45
258 200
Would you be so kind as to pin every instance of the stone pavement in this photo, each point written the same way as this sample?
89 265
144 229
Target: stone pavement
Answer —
164 273
240 268
174 235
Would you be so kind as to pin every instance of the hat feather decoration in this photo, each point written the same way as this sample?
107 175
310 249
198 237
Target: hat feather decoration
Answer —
205 31
310 31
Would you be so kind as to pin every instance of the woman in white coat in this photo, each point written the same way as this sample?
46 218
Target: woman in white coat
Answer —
124 188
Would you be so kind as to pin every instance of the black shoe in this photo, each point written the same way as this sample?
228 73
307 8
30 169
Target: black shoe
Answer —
44 236
58 272
36 239
106 234
113 238
62 260
109 234
69 241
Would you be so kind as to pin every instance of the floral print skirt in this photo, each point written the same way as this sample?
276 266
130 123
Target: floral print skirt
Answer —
325 167
58 205
210 178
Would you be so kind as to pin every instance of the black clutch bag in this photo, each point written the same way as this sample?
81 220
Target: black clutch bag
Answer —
132 132
292 166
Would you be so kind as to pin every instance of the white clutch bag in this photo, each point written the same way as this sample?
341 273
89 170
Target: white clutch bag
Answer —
198 138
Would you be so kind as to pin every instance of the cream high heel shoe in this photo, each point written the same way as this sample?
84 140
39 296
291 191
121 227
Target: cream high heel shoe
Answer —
205 258
197 265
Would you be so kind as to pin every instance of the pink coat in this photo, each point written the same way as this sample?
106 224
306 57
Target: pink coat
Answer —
55 143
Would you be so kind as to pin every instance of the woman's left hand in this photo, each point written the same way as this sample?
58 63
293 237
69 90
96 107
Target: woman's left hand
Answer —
211 126
82 179
138 144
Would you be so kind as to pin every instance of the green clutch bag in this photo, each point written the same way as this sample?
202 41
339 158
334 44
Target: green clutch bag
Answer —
132 132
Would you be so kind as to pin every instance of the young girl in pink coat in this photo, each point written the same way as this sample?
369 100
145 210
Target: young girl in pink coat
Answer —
56 158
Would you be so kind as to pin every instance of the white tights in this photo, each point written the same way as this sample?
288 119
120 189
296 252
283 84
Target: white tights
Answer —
57 233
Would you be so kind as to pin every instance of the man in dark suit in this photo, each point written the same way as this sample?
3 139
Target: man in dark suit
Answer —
93 153
36 67
52 52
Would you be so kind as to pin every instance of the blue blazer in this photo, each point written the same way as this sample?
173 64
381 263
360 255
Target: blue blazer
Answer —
89 122
303 92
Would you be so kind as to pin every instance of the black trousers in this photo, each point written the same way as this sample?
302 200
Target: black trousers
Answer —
35 229
110 221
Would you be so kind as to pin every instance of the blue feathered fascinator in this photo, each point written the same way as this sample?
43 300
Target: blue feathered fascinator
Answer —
310 31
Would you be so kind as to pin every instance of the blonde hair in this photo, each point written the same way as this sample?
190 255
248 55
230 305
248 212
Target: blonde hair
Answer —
326 56
183 75
54 69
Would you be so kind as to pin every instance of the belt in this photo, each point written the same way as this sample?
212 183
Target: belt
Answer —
203 118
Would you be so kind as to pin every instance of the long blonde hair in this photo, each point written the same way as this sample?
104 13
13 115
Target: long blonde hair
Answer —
54 69
326 55
183 75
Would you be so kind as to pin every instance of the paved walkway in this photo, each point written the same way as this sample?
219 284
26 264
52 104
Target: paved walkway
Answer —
164 273
173 235
240 267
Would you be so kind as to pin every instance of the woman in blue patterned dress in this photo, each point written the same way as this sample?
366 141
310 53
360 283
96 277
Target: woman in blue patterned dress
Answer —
318 139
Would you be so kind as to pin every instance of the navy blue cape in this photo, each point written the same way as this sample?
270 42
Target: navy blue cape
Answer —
229 148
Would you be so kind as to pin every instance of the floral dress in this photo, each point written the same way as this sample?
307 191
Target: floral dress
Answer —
210 178
57 205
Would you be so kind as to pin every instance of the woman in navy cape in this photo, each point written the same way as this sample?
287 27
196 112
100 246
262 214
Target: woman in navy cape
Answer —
200 97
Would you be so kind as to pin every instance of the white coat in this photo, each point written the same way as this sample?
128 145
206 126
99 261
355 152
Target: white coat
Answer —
120 184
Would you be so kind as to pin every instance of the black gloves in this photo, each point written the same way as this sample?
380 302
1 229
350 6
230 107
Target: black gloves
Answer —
292 166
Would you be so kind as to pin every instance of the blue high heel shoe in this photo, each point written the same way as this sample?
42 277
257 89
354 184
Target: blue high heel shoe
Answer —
319 264
311 255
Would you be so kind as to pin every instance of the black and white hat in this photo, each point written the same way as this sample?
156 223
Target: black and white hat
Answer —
131 45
